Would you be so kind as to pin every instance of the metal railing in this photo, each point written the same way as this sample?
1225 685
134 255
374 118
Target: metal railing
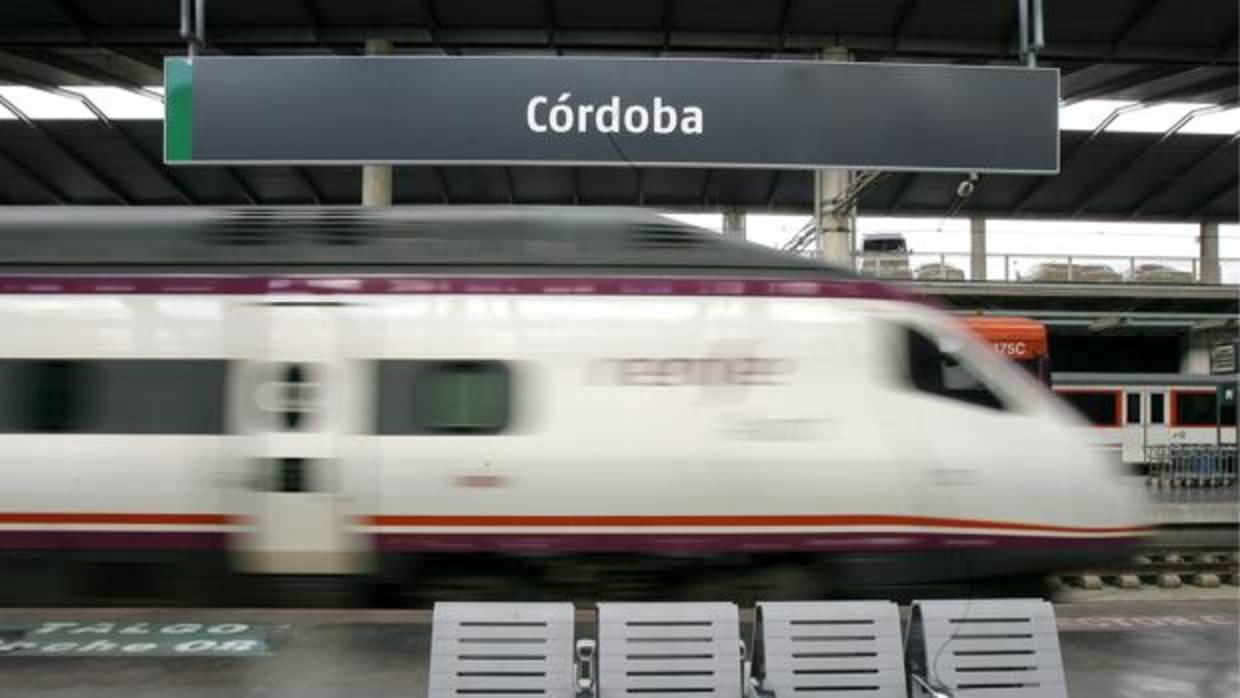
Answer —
1190 465
1042 268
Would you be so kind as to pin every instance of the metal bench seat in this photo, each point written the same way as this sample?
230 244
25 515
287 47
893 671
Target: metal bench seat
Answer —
669 650
828 648
502 649
993 648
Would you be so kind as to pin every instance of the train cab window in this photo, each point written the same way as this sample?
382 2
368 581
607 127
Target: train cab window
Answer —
1100 407
1195 409
1158 411
932 370
1133 408
444 397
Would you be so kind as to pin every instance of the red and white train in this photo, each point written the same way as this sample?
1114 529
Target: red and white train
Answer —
316 392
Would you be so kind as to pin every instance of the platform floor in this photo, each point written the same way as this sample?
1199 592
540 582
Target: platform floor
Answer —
1189 506
1112 649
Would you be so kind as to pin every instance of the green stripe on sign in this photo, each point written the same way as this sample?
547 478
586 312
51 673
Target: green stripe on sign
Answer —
178 110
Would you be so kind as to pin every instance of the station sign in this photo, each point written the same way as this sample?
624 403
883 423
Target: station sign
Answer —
610 111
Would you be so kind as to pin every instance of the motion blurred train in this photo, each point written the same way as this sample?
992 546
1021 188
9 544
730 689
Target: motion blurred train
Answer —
325 391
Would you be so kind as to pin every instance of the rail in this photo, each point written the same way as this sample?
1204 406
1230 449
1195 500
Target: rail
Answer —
1042 268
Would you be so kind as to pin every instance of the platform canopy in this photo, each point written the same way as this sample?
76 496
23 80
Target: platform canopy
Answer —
1150 51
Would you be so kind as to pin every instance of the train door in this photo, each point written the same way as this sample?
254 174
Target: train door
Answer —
296 414
1154 427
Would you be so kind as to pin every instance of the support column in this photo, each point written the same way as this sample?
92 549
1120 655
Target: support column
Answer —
1207 263
377 179
834 216
977 248
734 223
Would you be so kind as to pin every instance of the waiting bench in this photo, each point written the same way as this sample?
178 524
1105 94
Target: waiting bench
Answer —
828 648
662 650
502 649
992 648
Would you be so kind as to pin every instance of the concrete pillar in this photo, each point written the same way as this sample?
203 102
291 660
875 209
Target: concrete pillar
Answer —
734 223
1208 266
977 248
377 179
834 217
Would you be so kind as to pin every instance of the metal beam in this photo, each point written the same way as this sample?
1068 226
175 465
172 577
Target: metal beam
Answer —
315 195
781 28
243 186
445 194
312 16
1068 158
53 192
666 24
773 188
77 20
706 183
902 188
1124 82
432 29
902 20
550 12
1196 210
157 167
1185 172
80 70
512 187
1108 179
113 189
641 187
1135 20
618 39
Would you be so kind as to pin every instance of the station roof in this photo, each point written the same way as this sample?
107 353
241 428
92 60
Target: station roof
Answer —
1134 176
1151 51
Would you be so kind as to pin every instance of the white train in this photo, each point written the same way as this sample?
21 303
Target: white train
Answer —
511 381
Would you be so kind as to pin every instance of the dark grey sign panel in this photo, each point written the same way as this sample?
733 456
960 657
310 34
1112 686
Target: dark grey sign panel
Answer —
601 111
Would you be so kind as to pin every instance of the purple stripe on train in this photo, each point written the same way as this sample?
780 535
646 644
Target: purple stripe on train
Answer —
438 285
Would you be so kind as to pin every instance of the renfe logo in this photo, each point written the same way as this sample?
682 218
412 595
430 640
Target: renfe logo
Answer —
738 371
542 115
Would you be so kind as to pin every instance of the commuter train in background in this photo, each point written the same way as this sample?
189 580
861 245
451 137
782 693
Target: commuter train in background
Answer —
331 392
1134 413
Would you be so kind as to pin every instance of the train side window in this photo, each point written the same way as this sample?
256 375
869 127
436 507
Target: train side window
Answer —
934 371
1133 409
1158 413
444 397
1100 407
50 395
1195 409
112 396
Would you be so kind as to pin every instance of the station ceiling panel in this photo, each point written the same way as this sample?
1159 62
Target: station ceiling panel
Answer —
1136 176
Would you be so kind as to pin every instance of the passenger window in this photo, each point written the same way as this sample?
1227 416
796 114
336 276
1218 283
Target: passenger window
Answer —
1099 407
1196 409
933 371
112 396
55 392
444 397
1157 409
1134 408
